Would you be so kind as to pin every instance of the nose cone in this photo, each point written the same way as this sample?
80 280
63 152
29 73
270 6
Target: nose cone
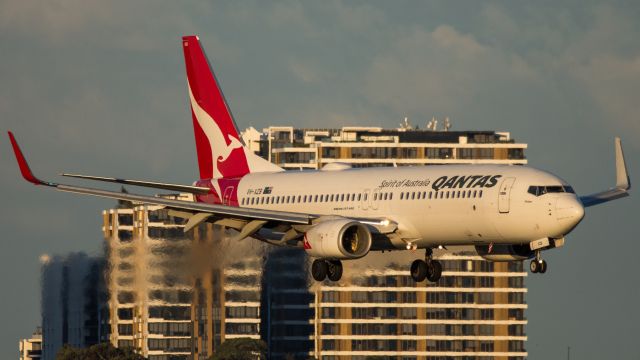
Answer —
569 212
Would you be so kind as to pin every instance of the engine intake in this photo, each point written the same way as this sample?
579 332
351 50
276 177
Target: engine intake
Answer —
504 252
338 239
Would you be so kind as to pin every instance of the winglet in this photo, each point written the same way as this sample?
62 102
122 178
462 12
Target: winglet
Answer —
622 178
22 163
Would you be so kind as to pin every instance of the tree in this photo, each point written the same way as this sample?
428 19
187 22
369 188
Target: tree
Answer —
104 351
241 349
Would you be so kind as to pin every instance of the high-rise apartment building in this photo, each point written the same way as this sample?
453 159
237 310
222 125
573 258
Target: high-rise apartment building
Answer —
475 311
174 295
73 302
31 349
293 148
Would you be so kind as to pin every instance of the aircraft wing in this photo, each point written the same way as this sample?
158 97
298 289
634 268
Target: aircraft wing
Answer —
152 184
623 184
247 221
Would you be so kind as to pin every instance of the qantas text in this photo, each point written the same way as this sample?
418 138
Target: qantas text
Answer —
469 181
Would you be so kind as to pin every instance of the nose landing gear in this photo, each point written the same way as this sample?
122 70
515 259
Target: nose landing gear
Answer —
538 265
426 269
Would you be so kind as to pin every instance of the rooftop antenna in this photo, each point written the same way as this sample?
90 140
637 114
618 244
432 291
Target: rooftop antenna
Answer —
405 124
433 124
447 124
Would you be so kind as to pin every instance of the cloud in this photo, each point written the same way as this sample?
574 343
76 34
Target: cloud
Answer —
442 70
614 84
121 24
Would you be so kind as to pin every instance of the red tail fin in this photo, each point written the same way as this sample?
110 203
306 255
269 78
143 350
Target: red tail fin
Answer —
220 151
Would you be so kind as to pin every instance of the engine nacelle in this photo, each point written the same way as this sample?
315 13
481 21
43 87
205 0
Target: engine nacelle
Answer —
338 239
505 252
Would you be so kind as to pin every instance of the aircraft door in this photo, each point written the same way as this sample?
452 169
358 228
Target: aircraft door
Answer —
228 191
375 198
504 195
364 202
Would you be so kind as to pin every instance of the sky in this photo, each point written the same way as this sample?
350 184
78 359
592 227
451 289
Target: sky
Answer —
98 87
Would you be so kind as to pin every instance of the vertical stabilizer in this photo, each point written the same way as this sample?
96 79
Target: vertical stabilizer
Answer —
221 152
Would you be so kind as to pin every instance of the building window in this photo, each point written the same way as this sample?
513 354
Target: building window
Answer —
409 153
515 154
329 152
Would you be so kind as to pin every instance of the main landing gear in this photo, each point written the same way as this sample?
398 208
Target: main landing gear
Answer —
538 265
426 269
322 269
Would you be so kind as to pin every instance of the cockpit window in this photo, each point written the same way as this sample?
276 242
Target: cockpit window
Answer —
541 190
555 189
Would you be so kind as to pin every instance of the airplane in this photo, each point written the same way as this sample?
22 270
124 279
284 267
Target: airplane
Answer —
508 213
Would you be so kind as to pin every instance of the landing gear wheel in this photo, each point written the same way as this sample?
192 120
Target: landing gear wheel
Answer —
534 266
319 270
543 267
418 270
334 270
434 271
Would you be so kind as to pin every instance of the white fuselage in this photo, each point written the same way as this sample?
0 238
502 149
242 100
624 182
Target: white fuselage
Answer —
431 205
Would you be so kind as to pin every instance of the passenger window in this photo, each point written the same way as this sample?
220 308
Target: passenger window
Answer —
375 196
480 193
359 196
401 196
390 196
342 197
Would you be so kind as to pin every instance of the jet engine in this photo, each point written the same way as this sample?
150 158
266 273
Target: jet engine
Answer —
338 239
504 252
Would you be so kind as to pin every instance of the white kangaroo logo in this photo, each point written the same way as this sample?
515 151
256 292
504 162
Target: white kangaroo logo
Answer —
220 151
